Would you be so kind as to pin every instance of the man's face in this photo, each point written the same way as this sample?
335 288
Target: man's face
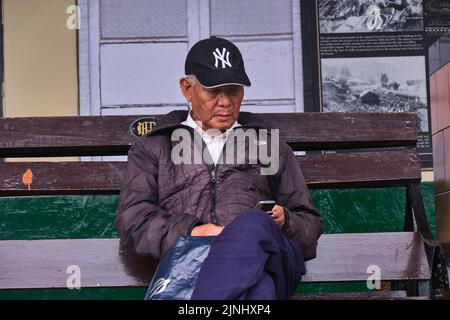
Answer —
216 108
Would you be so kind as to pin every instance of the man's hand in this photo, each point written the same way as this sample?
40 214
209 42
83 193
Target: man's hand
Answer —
278 215
206 230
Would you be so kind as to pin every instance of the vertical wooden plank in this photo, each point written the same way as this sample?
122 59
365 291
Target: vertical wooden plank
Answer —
83 59
94 57
443 216
433 101
447 159
193 22
443 104
298 58
94 64
205 19
439 162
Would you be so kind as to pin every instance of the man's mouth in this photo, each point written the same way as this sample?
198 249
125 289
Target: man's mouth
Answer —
222 117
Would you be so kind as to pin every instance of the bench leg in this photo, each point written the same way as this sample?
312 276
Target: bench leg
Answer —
440 271
423 288
419 288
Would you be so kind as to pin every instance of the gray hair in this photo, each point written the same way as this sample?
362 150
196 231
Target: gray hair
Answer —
192 79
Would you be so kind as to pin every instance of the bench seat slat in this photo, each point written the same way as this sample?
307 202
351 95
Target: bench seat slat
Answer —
341 257
341 170
346 257
111 135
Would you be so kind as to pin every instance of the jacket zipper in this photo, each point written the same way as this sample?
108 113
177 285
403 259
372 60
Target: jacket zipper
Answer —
213 195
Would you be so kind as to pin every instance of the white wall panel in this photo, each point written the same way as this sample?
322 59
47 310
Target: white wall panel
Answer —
256 17
270 68
275 108
143 18
141 110
132 52
146 73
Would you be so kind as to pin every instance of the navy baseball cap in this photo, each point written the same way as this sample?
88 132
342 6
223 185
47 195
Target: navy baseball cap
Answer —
216 62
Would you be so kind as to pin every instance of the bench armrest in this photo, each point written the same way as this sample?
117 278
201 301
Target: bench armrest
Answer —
440 271
438 253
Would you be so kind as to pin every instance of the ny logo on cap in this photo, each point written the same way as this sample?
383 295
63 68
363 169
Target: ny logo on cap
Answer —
221 56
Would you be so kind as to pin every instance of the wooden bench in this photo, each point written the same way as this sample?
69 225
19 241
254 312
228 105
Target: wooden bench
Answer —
410 257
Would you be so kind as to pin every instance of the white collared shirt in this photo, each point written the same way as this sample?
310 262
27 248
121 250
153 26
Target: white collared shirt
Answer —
215 144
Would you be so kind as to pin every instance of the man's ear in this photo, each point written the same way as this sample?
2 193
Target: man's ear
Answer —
186 89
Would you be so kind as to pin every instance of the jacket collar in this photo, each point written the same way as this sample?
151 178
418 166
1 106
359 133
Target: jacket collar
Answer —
173 119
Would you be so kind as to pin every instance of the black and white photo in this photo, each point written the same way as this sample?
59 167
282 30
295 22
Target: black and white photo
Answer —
354 16
382 84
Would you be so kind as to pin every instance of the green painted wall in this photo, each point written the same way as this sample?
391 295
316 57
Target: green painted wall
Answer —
363 210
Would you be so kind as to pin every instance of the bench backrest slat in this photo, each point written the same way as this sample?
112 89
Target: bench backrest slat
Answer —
339 170
111 135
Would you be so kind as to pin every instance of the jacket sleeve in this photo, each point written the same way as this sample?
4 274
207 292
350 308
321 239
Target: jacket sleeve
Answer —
141 222
303 222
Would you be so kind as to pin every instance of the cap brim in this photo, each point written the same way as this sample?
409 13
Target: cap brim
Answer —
223 78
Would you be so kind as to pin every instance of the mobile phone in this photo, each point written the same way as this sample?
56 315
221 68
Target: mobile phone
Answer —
265 205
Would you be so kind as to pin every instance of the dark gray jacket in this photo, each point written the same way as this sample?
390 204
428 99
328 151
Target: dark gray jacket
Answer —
161 201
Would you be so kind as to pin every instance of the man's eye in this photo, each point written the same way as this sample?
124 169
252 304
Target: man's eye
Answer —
213 93
233 91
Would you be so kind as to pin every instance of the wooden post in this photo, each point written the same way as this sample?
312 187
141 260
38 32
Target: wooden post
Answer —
440 113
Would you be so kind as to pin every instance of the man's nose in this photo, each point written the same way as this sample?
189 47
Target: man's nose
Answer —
223 99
